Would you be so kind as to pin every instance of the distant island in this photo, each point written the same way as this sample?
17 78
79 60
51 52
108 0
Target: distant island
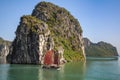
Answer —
4 49
100 49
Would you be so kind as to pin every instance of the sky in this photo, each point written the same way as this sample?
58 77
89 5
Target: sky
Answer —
99 19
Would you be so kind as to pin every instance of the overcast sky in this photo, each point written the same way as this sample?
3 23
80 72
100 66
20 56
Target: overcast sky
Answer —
99 19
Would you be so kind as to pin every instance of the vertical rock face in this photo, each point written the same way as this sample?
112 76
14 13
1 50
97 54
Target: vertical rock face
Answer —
32 40
66 30
49 27
4 50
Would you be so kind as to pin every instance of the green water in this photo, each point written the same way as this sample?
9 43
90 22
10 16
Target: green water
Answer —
91 70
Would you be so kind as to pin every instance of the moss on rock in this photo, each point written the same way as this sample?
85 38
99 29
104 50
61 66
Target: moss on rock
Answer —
65 29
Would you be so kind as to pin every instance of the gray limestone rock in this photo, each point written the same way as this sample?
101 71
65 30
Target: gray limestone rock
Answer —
32 40
48 28
4 50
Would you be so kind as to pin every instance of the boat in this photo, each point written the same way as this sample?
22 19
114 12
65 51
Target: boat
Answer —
51 60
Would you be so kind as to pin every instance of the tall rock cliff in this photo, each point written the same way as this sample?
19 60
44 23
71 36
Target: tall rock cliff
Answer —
100 49
49 27
32 40
65 29
4 49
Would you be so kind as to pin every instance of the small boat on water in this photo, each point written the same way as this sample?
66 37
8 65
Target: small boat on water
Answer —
51 60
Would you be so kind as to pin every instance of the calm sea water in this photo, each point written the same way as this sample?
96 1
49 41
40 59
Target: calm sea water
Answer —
91 70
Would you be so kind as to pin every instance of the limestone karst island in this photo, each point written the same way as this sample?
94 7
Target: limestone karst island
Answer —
50 35
49 43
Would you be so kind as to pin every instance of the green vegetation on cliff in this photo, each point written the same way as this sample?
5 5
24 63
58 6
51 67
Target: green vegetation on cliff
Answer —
49 27
4 42
31 22
65 29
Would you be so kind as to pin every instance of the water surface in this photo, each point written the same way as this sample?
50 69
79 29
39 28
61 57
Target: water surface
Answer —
92 70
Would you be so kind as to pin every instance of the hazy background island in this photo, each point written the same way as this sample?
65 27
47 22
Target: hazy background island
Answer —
99 19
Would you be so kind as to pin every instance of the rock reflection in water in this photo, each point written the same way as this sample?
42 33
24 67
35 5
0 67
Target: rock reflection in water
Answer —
74 71
69 71
4 68
92 70
22 72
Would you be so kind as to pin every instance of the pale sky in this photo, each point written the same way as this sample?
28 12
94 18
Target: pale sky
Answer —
99 19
